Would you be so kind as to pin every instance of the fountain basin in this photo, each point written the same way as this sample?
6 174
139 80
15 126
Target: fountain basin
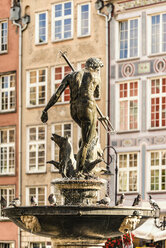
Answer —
73 224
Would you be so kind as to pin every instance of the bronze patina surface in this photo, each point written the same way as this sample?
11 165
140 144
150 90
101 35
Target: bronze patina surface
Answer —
84 86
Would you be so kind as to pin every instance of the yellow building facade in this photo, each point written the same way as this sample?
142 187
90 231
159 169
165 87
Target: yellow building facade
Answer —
73 27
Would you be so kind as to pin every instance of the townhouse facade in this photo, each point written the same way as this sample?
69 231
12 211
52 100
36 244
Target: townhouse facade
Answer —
9 186
138 109
69 26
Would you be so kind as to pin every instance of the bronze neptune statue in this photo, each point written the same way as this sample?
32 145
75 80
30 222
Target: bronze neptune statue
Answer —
84 87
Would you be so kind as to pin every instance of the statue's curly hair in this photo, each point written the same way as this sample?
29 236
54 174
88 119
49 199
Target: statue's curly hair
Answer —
93 63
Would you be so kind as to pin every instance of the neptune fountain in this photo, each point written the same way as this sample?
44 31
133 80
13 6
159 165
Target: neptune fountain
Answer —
82 221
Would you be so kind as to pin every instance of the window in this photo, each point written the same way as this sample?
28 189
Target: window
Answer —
36 149
62 21
6 245
158 33
128 106
7 151
38 245
37 88
41 28
3 36
128 38
8 194
58 73
62 129
158 170
84 20
158 102
39 193
81 66
7 93
128 172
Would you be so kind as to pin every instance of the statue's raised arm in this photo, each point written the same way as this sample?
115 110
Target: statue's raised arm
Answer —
55 97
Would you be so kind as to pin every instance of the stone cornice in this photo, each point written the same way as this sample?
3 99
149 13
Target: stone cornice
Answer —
131 4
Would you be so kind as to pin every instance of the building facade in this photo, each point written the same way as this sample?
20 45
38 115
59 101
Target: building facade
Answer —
8 121
67 26
138 109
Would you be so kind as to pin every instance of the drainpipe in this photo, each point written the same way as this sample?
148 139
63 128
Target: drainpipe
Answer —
21 29
108 18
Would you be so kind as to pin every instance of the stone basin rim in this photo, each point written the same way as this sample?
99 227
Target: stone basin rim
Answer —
75 210
88 221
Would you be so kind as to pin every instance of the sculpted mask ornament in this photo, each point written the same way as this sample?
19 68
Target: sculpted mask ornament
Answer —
129 223
31 223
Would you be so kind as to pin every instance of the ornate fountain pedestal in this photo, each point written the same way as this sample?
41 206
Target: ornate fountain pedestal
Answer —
78 192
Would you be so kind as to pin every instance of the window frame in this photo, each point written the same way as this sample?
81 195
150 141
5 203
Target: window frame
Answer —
160 167
8 187
11 243
8 145
37 36
40 244
4 51
128 171
54 82
62 18
9 90
36 143
128 38
37 84
149 22
128 99
36 187
149 97
53 169
79 26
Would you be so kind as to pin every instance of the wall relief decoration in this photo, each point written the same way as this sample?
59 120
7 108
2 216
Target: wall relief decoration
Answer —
159 65
128 70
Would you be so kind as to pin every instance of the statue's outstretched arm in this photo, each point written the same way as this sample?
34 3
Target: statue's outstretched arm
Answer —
55 97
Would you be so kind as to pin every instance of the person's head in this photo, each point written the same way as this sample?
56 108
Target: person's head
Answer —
93 64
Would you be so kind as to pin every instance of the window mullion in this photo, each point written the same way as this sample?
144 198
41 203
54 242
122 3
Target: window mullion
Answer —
8 108
127 169
160 170
128 102
7 149
63 20
1 160
45 196
37 194
1 93
7 160
36 148
0 37
7 191
63 73
37 88
129 38
160 104
161 33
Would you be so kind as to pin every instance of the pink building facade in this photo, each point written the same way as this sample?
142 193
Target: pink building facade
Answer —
8 121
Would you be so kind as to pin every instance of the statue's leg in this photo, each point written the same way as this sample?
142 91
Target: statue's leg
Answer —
88 129
74 114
